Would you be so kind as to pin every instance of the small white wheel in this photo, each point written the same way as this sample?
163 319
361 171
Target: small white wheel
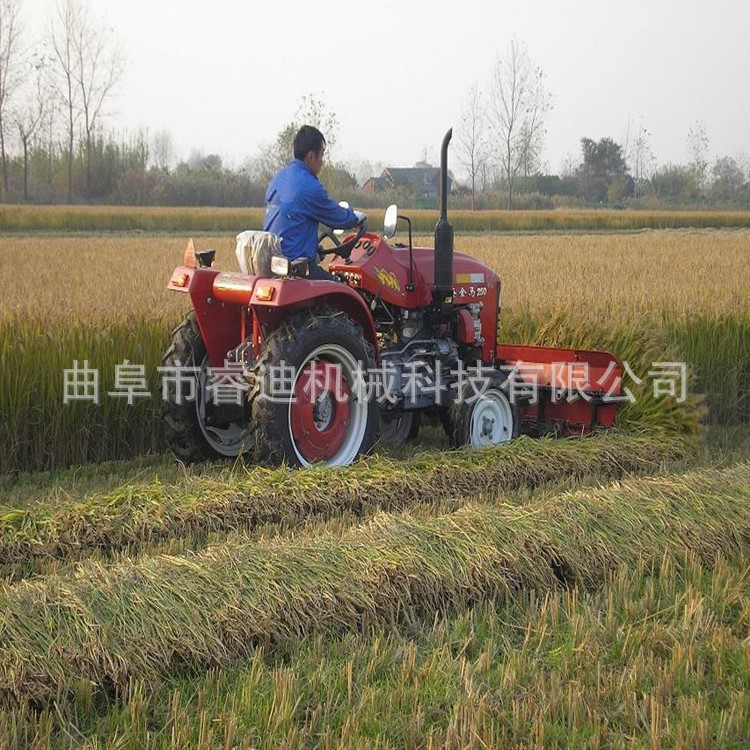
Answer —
190 431
228 440
485 419
492 420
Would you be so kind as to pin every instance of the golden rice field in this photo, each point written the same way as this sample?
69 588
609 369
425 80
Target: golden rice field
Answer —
646 296
547 594
652 274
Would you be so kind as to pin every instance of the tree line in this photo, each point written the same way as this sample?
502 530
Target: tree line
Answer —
501 139
57 143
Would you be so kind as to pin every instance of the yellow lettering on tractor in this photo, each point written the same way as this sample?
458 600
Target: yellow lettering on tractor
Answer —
388 278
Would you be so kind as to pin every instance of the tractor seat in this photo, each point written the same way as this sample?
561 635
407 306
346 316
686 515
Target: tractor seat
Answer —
255 250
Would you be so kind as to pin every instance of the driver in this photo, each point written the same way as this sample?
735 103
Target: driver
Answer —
296 202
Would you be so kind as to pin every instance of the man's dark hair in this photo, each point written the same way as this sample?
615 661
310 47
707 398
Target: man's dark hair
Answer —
308 139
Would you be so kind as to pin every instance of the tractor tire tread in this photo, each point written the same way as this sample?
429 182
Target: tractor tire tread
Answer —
286 344
182 432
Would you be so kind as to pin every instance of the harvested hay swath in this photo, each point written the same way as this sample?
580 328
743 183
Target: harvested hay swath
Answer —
103 626
135 515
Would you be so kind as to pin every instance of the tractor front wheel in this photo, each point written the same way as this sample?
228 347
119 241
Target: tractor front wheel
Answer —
483 419
311 403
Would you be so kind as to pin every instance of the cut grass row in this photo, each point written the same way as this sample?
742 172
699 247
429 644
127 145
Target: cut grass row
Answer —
102 627
121 218
657 657
139 515
716 447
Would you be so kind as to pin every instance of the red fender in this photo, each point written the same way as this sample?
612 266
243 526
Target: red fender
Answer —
292 295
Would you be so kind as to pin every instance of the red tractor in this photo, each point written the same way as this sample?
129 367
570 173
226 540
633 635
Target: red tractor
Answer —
312 372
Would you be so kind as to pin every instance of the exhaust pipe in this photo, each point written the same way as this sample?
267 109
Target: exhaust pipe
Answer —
443 292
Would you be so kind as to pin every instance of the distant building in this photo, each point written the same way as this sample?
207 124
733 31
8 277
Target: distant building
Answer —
422 181
375 185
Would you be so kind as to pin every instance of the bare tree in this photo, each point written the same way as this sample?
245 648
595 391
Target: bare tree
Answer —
50 134
311 111
90 66
519 108
10 31
697 146
99 67
472 141
640 158
162 150
29 116
62 34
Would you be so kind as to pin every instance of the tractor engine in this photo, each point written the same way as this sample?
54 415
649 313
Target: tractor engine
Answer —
416 375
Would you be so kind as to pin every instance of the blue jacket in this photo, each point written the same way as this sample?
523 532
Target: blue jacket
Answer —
295 203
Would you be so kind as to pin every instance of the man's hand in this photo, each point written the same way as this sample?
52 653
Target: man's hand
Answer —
361 217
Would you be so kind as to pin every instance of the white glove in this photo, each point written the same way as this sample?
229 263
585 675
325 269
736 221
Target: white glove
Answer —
361 217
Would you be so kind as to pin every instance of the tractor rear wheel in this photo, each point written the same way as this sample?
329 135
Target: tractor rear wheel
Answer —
485 419
192 429
311 403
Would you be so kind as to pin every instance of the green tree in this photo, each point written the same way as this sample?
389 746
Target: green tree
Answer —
200 162
338 179
603 177
729 187
674 184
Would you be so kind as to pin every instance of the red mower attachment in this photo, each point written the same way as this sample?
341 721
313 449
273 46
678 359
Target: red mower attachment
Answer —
565 391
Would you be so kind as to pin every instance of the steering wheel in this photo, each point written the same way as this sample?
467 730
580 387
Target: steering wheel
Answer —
325 232
344 249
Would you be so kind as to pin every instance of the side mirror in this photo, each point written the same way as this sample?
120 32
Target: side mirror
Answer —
389 224
343 204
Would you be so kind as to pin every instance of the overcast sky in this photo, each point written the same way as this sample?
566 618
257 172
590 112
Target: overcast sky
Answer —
223 76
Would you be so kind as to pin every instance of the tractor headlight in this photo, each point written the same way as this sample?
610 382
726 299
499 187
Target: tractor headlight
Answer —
279 266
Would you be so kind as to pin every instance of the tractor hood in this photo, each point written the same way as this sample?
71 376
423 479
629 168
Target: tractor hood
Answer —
382 269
